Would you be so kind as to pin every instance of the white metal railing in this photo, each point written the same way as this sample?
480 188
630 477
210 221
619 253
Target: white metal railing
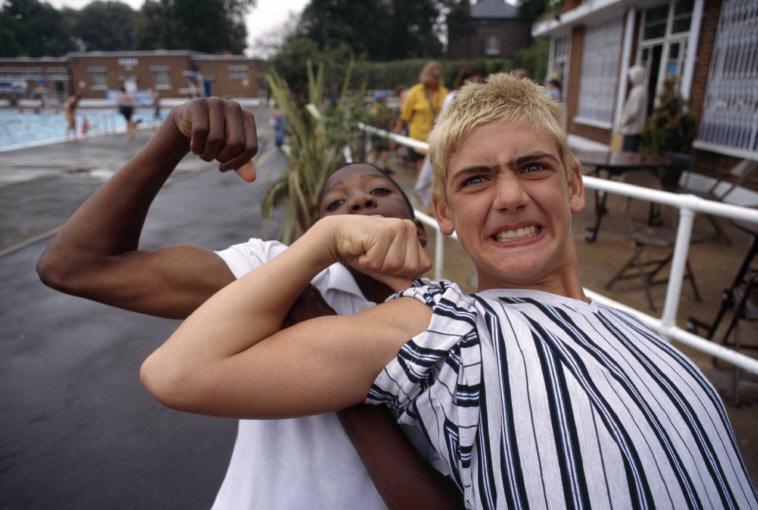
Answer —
688 206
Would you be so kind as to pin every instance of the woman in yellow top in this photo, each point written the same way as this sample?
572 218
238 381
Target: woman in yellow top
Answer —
422 104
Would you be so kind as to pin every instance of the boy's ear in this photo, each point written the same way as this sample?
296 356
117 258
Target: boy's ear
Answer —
444 216
421 232
576 190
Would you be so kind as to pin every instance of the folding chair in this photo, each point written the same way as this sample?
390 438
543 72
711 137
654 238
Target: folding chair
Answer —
722 188
644 236
746 309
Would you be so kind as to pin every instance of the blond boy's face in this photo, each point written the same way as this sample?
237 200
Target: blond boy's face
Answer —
509 200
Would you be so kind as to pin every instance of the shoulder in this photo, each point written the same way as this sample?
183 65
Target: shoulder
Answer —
415 91
436 293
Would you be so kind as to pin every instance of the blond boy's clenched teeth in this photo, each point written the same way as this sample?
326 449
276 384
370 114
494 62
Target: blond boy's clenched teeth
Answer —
517 233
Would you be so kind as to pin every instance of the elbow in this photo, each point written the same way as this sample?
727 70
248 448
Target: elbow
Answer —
54 272
168 383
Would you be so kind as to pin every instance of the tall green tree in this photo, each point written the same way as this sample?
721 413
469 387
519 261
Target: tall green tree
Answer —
106 25
376 29
459 22
33 29
211 26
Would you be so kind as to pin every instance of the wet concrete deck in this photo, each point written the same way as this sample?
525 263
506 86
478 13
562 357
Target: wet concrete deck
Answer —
78 430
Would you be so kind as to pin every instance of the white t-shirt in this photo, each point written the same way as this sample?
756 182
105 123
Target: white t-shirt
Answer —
306 462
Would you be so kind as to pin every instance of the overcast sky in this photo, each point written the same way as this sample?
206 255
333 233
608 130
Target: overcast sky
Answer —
267 16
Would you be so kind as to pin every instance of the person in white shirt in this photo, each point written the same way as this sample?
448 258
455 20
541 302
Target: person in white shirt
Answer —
358 457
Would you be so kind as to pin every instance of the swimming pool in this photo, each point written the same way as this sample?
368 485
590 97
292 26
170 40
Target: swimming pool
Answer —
19 130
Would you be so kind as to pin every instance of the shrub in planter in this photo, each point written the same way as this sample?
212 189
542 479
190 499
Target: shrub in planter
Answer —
670 131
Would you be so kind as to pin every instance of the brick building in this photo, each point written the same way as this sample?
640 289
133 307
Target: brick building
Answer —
710 45
496 32
100 74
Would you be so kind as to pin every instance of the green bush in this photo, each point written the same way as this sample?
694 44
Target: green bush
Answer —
387 75
534 60
670 128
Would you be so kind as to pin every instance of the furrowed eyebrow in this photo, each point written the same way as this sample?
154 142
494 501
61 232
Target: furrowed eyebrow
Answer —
473 169
532 156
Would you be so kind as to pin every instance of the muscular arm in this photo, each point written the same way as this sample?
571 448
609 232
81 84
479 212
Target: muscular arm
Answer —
96 253
229 359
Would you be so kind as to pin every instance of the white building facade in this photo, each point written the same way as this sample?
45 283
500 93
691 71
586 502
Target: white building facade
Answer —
711 46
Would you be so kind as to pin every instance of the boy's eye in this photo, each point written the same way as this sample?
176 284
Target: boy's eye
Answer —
473 180
533 167
333 206
381 192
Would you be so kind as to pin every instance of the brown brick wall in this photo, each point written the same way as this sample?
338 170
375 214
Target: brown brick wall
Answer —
48 68
706 41
116 73
223 84
575 71
513 35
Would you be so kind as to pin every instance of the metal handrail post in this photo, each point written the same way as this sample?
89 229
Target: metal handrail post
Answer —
678 266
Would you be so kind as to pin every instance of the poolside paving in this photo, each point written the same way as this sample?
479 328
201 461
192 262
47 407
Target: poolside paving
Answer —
78 430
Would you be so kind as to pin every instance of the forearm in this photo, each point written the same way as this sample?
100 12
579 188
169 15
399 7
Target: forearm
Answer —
246 311
402 477
110 221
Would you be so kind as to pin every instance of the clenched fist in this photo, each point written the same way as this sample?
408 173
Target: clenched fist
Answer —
219 129
388 249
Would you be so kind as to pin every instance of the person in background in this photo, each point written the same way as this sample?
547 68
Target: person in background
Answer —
155 97
126 108
635 110
69 112
554 90
421 105
468 73
279 124
355 459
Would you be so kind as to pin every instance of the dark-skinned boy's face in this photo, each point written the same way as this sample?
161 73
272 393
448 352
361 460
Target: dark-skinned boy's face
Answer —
362 189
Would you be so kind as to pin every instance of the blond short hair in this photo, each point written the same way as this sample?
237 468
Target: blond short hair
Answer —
430 71
502 97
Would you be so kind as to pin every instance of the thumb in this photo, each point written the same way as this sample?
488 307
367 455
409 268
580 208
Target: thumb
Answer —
247 172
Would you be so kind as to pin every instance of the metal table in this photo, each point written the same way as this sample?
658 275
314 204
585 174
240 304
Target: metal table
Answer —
612 164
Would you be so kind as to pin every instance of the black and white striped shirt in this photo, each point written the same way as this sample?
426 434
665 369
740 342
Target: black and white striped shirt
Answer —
538 400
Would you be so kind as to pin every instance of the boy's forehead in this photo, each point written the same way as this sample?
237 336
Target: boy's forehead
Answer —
358 172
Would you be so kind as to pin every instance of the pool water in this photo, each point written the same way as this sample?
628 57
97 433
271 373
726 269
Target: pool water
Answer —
29 129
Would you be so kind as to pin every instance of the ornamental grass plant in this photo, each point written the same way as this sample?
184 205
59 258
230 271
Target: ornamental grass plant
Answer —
317 135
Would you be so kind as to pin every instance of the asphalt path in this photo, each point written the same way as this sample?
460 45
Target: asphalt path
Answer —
77 430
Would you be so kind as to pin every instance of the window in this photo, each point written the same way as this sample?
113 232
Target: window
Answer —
97 80
663 44
559 63
161 77
728 122
493 45
600 69
238 72
57 73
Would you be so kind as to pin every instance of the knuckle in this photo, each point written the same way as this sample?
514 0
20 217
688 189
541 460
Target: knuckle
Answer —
214 140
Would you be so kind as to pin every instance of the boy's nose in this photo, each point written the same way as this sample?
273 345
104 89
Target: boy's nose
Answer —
361 201
510 194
